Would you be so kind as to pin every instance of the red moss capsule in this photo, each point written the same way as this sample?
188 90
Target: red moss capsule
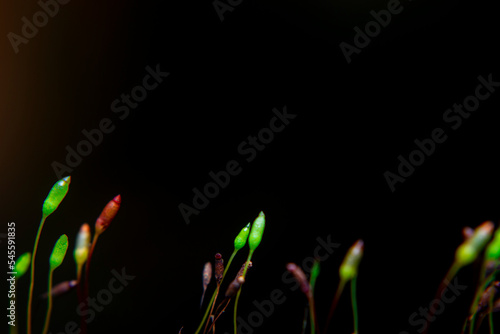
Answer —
219 267
108 213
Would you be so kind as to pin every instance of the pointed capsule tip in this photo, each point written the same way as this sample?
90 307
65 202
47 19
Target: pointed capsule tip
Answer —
67 179
118 199
262 214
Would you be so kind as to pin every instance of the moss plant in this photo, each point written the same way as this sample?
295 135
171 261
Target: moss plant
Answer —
348 272
51 203
254 240
82 251
56 259
239 243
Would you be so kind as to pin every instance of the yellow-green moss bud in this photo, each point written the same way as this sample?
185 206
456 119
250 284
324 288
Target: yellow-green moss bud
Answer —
470 249
82 244
349 267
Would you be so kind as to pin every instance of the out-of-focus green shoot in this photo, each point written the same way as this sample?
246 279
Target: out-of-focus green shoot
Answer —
51 203
348 272
492 253
239 242
20 268
254 239
465 254
82 247
312 303
492 257
56 259
470 249
314 274
490 261
22 264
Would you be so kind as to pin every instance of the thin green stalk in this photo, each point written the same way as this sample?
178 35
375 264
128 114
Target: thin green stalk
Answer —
228 264
312 314
472 323
235 314
215 293
56 259
354 305
206 312
49 304
312 284
32 272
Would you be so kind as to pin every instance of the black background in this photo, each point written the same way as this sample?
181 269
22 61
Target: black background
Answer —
322 175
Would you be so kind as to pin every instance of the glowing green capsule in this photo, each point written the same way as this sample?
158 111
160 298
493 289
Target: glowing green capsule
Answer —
470 249
257 231
56 195
493 249
349 267
241 239
22 264
59 252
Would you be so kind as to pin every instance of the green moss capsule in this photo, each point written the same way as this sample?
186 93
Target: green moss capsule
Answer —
493 249
470 249
349 267
241 239
22 264
257 231
59 252
56 195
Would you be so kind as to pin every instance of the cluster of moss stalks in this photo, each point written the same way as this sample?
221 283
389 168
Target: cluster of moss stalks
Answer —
82 254
480 244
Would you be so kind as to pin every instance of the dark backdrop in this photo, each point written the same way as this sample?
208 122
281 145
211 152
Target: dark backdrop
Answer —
321 177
